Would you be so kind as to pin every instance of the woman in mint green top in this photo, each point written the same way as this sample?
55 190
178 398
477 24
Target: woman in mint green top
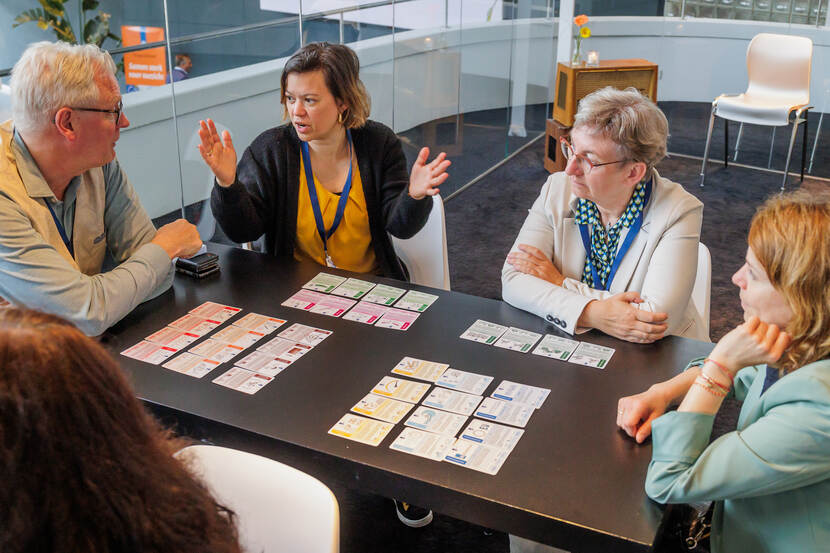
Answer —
770 478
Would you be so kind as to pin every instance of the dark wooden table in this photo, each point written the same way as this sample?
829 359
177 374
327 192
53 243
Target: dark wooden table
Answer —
573 481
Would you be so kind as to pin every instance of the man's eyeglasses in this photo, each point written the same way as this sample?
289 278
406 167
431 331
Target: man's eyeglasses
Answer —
585 164
117 111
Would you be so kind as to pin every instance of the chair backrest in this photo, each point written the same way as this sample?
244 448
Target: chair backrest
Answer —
425 254
5 102
779 66
702 291
278 508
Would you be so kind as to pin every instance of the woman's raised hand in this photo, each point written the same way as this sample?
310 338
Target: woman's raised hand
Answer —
218 153
751 343
425 178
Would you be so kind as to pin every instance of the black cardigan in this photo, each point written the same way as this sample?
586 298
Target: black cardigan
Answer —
263 199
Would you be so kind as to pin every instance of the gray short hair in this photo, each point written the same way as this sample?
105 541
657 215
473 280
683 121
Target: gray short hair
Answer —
51 75
629 119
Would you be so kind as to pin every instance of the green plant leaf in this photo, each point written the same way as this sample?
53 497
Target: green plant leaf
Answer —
96 30
64 32
54 7
90 4
35 14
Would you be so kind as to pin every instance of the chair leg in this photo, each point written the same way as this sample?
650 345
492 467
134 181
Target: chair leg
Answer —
815 143
790 152
738 141
771 144
706 149
804 143
725 143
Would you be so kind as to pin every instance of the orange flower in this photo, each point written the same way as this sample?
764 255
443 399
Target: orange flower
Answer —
585 32
580 20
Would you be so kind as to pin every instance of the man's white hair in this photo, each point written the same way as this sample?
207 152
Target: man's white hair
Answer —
51 75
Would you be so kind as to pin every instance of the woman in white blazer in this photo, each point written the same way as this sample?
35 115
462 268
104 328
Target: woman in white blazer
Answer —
610 244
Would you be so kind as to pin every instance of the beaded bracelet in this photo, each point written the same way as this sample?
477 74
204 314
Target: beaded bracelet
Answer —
721 368
709 388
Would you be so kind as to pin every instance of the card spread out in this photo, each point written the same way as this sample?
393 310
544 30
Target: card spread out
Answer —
263 363
215 311
484 332
324 282
284 349
173 337
191 365
242 380
521 393
353 288
423 444
450 400
304 299
149 352
515 414
382 408
366 312
237 336
216 351
517 339
332 306
416 301
420 369
397 319
400 388
556 347
464 382
592 355
477 456
384 295
435 421
259 323
492 434
303 334
195 325
361 429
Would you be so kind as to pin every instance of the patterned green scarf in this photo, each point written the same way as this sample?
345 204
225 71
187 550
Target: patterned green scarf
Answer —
604 243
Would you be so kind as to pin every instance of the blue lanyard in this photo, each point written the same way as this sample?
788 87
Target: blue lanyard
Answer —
66 241
629 238
315 204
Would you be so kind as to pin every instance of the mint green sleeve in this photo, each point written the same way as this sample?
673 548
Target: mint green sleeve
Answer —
787 447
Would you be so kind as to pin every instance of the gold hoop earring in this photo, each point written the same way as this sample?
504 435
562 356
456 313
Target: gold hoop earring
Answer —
340 117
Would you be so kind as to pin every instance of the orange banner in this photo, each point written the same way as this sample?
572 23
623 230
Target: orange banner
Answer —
146 67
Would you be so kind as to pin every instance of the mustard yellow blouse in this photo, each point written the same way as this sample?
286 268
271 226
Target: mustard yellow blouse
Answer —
350 247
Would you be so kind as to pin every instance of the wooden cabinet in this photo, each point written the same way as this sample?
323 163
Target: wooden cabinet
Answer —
574 83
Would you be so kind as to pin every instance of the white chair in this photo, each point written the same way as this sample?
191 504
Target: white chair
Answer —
425 254
779 84
702 291
278 508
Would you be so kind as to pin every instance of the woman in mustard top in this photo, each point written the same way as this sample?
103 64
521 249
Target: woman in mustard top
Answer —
331 185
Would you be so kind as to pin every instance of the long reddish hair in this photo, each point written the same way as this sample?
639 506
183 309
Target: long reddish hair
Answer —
82 466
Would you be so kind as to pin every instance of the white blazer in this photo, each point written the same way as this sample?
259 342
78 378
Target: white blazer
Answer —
661 263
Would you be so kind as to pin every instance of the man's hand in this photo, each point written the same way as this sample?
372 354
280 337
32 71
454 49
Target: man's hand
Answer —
178 239
532 261
617 317
425 178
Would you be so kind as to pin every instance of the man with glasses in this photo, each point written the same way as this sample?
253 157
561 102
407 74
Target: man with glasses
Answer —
65 201
610 244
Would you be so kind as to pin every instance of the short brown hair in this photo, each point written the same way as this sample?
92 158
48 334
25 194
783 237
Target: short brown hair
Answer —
84 467
629 119
341 70
790 236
